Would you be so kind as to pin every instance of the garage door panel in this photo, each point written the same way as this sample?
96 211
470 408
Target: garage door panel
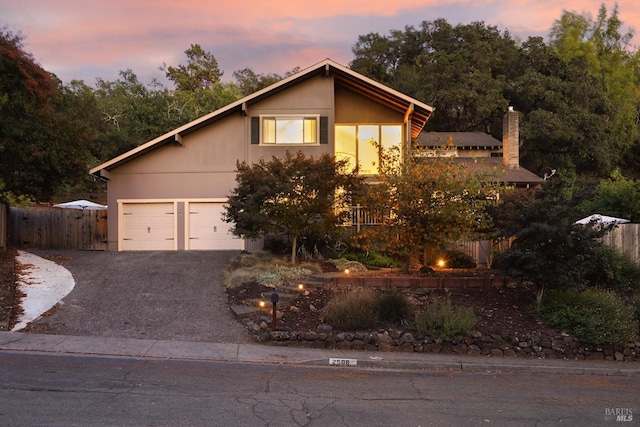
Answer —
207 229
148 226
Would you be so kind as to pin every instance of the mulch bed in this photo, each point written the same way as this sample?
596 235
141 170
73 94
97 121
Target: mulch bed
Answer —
501 310
8 293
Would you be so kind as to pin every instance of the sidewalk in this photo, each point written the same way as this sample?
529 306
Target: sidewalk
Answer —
253 353
43 284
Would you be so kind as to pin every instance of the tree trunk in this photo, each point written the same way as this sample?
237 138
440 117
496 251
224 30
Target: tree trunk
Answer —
407 263
294 249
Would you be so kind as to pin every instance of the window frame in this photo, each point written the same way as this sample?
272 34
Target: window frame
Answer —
358 141
302 117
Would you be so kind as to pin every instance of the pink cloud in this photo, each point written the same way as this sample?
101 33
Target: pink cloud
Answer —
269 36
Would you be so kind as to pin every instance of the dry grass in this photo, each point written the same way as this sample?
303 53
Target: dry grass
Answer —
353 309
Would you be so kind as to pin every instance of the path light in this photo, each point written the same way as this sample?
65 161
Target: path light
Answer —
441 263
274 301
261 304
300 287
346 271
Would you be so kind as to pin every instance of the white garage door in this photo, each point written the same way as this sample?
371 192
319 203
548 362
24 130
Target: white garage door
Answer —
207 230
148 226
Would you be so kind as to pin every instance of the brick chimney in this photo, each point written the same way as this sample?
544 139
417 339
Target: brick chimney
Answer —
510 140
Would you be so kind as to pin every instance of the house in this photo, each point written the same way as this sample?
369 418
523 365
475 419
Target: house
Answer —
169 193
482 152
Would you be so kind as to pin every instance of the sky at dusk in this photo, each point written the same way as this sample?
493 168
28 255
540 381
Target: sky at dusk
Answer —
87 39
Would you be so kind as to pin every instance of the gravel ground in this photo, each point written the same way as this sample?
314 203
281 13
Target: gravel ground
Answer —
154 295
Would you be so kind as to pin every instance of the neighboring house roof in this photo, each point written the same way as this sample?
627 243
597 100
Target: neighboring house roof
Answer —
419 111
458 139
478 141
493 166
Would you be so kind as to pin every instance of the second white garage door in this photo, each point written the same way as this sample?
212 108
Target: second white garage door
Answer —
207 230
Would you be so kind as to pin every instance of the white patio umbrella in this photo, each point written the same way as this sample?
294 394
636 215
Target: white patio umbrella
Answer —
81 204
602 219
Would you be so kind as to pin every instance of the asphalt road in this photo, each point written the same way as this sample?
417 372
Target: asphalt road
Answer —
63 390
154 295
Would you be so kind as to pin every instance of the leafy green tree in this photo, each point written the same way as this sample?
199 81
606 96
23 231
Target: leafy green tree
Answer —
567 120
601 48
290 196
249 82
426 204
200 72
462 70
132 113
466 69
43 139
375 56
617 196
184 106
549 249
578 94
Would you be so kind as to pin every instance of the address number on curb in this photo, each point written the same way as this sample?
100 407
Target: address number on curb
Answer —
342 362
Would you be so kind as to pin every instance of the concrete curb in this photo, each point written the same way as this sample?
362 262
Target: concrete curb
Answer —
252 353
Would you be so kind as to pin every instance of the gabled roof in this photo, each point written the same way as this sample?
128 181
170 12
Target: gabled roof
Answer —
419 111
471 140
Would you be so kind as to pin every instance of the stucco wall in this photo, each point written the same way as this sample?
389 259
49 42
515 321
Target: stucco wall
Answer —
204 165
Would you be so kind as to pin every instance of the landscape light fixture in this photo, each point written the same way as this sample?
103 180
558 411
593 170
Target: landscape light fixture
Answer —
274 300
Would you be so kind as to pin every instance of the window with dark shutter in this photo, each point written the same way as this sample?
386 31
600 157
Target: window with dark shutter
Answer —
289 130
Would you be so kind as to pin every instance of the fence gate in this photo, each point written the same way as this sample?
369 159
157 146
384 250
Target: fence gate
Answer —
58 229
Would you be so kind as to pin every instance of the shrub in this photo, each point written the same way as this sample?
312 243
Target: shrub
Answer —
453 259
394 307
594 316
265 269
277 274
373 259
613 269
442 320
342 264
635 303
354 309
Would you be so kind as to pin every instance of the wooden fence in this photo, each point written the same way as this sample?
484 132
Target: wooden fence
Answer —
625 238
483 252
4 221
58 229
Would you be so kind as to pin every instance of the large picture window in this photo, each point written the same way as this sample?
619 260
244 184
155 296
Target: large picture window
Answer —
360 144
290 130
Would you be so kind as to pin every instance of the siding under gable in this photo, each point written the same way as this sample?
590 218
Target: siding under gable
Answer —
355 108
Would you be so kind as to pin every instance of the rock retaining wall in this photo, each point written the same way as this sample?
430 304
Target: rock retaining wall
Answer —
423 282
559 346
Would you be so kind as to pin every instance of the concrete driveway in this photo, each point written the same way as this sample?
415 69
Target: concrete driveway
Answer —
155 295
